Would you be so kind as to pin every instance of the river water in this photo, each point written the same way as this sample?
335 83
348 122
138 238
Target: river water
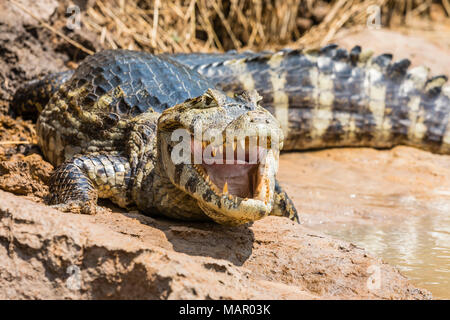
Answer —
418 246
394 203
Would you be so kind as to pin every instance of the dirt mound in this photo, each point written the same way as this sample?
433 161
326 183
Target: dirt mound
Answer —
25 175
47 254
22 168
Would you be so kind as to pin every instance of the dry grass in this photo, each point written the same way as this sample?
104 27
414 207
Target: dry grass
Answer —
211 25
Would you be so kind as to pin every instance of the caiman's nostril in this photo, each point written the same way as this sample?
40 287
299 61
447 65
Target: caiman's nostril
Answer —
258 118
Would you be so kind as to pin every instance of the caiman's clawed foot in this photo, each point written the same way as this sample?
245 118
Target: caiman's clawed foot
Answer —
77 207
76 185
283 205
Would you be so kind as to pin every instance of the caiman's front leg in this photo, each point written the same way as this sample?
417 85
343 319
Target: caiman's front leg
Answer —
77 184
283 205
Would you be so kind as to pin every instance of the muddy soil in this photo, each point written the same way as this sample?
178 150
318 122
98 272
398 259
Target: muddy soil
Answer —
22 169
28 51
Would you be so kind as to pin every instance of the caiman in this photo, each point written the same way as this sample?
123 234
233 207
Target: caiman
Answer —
109 125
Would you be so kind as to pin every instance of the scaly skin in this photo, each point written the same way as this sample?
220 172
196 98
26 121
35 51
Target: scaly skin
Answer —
334 98
112 123
32 98
109 129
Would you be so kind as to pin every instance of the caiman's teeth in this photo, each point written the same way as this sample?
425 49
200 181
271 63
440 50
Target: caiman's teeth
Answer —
267 192
242 144
225 188
258 187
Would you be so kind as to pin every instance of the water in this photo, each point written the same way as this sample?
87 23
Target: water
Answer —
419 246
394 203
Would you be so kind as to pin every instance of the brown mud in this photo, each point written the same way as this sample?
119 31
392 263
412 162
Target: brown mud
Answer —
27 51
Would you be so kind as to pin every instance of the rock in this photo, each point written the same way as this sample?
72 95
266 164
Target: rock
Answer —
47 254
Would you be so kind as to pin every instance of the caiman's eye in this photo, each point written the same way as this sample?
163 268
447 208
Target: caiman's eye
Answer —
170 126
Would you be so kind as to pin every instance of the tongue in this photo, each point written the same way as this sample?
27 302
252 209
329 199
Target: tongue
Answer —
236 176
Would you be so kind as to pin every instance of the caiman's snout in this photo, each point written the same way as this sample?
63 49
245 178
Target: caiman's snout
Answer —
257 119
258 123
233 156
243 183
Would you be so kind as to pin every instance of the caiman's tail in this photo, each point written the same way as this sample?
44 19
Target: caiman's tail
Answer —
31 98
331 97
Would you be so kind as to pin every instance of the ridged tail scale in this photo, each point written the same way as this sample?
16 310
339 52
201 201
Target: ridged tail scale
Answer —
335 98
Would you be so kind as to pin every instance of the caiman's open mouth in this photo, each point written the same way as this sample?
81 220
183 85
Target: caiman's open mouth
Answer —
237 171
234 146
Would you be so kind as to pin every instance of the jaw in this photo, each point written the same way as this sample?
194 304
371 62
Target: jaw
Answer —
237 189
239 192
232 213
229 194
